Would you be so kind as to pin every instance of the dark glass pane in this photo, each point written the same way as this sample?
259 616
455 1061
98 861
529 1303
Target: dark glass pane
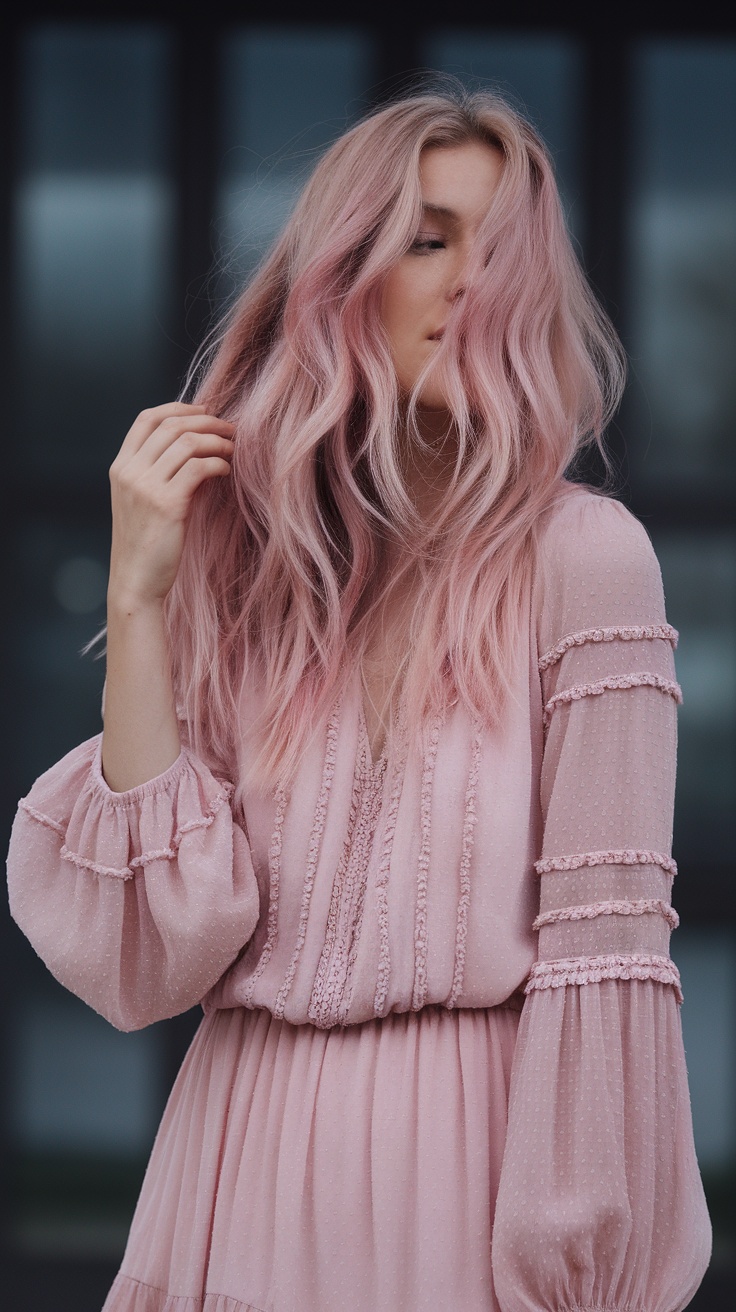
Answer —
699 574
289 91
93 99
60 570
84 1105
682 290
93 246
706 959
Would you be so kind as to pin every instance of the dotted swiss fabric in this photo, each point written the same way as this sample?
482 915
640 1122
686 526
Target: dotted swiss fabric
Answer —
467 940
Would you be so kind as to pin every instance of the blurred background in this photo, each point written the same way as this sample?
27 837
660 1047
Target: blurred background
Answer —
149 160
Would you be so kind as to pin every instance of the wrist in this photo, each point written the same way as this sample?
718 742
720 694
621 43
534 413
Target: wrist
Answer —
125 602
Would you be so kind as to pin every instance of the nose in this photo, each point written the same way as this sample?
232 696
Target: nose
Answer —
457 283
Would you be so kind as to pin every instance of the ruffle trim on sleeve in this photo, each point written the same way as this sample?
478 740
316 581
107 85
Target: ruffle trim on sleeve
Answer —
611 857
115 834
155 854
626 907
42 819
624 632
591 970
612 682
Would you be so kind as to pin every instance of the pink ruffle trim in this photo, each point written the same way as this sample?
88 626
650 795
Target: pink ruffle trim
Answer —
129 1295
625 632
313 851
138 862
463 905
628 907
383 972
612 682
622 857
41 818
591 970
274 867
419 993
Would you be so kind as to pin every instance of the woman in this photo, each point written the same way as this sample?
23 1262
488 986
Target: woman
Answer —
386 777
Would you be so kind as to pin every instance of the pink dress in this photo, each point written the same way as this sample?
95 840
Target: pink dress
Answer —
441 1061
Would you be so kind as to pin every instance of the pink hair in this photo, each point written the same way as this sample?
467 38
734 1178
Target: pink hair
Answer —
282 569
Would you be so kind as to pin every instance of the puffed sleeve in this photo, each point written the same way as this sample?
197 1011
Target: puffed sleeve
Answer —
601 1204
136 901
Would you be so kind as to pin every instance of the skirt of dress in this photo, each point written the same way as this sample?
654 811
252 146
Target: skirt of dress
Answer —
352 1169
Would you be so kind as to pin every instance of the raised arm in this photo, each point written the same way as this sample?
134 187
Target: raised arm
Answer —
600 1203
169 452
126 870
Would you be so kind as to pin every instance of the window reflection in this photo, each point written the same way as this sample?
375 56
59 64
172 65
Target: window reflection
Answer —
682 289
93 241
706 959
84 1103
699 576
289 91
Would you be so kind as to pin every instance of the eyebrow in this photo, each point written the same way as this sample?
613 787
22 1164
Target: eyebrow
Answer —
439 212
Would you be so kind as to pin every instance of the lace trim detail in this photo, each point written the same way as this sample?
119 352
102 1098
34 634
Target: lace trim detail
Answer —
313 851
348 892
612 682
383 973
139 862
359 879
591 970
628 907
626 632
274 886
41 818
419 995
461 926
623 857
318 1010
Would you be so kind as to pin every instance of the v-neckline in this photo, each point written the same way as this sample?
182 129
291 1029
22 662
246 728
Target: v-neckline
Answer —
397 726
395 714
376 763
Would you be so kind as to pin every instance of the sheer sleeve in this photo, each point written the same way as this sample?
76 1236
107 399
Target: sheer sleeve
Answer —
600 1203
136 901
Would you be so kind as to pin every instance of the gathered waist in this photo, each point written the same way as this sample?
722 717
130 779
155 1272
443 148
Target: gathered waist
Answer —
514 1002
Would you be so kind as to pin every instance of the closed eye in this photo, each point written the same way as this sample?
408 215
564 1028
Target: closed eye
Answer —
424 244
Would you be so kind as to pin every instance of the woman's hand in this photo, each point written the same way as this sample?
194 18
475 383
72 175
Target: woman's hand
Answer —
167 454
169 451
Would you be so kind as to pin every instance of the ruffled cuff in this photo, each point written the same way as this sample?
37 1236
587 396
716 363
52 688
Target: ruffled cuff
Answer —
136 901
116 834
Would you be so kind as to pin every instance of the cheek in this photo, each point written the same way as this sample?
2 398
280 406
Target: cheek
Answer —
393 304
404 295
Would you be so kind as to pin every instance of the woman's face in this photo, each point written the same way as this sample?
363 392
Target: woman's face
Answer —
458 183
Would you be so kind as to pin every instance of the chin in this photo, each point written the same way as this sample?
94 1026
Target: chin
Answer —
432 401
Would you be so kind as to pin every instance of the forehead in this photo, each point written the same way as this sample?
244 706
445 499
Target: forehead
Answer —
460 180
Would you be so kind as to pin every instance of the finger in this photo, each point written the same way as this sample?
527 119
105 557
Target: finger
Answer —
149 420
195 472
191 446
172 429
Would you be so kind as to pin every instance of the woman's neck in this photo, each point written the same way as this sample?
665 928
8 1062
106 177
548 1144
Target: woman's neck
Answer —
427 471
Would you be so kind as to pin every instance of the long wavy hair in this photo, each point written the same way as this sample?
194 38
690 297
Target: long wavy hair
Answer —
283 571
